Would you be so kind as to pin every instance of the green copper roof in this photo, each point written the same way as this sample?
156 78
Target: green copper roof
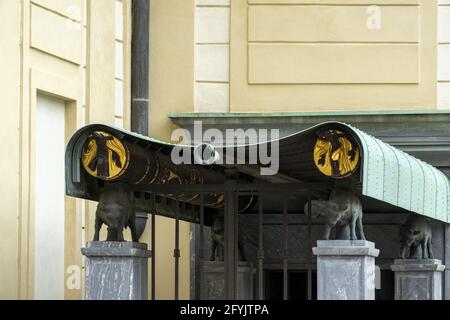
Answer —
386 173
395 177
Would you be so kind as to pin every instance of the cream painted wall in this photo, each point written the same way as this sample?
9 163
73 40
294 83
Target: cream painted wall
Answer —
100 78
55 36
10 60
172 62
444 54
171 90
77 51
302 55
321 55
46 68
100 64
212 59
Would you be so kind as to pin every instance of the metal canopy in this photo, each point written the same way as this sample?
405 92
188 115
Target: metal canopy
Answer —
395 177
382 172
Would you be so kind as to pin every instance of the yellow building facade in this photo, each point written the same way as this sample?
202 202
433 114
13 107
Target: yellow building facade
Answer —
73 55
206 56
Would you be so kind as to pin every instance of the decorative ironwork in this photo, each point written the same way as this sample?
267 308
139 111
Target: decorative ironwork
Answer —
106 157
335 155
386 173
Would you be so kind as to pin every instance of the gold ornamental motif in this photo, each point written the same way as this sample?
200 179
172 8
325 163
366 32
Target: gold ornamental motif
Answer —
335 155
104 156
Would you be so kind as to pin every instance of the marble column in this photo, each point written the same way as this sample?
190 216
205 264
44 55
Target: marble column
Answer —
447 261
116 270
345 269
418 279
213 281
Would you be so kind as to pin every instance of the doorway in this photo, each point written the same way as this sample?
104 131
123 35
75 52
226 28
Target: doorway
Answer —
49 198
297 285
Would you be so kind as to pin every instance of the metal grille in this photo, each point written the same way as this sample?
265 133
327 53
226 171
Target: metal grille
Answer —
231 234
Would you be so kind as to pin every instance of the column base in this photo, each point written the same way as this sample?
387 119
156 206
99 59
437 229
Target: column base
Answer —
213 284
418 279
116 270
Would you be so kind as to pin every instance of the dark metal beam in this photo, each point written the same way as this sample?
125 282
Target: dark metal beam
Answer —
140 66
285 251
140 36
202 245
291 188
176 251
230 254
230 239
260 246
310 256
192 213
153 261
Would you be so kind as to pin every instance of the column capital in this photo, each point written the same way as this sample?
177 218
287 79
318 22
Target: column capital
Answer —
116 249
411 265
345 248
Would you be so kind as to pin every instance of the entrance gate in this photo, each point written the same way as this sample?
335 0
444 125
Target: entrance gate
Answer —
312 163
232 192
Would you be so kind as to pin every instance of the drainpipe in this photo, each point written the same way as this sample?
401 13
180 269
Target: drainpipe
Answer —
140 80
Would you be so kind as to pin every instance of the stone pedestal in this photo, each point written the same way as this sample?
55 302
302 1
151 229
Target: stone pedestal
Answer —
345 269
418 279
213 281
116 270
